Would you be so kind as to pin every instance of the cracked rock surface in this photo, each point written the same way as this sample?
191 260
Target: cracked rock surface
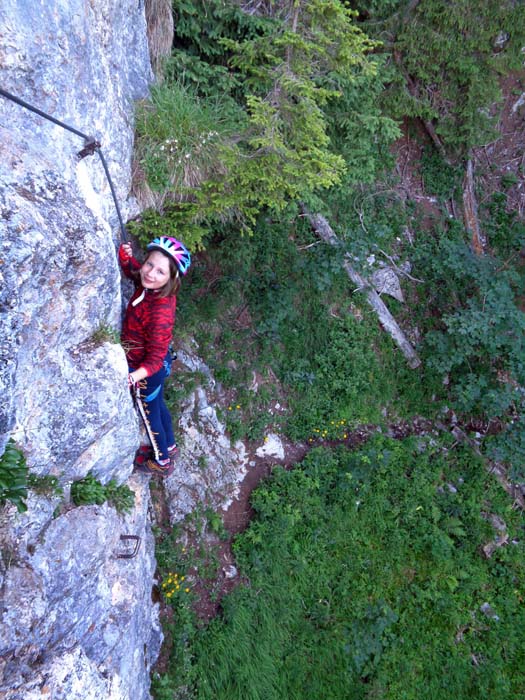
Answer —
76 619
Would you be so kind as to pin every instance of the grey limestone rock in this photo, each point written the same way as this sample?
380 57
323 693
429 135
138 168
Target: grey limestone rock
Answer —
76 621
211 466
67 590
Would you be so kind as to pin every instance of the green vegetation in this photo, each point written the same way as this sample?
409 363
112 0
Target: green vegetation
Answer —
45 485
364 570
304 337
224 149
89 491
367 580
447 60
474 329
13 477
179 568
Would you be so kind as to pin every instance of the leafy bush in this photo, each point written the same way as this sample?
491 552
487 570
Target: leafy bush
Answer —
508 446
89 491
439 177
13 477
342 381
479 345
502 226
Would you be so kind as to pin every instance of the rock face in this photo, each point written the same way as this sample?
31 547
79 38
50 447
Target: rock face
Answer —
76 620
77 615
211 467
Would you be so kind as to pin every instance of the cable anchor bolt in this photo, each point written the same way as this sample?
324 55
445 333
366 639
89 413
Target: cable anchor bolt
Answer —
90 146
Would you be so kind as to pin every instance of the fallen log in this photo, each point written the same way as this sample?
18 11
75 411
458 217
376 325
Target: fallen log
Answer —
323 229
500 472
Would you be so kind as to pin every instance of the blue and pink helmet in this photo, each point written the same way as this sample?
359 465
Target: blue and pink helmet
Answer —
174 248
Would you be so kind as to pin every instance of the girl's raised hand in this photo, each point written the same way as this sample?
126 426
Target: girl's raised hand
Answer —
125 253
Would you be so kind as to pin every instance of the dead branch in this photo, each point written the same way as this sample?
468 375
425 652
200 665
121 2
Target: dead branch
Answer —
470 211
323 229
399 270
495 468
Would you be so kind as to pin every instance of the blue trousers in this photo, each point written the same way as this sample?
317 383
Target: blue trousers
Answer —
149 394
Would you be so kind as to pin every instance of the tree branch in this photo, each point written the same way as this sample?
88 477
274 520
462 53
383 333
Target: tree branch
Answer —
323 229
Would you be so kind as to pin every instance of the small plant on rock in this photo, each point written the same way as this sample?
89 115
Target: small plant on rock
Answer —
89 491
13 477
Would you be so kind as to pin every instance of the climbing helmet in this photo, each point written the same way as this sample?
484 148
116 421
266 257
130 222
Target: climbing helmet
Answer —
177 250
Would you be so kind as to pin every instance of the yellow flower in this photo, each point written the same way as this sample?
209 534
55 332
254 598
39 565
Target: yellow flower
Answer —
186 590
238 406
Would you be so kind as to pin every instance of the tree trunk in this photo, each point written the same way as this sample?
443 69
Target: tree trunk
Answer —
413 90
326 233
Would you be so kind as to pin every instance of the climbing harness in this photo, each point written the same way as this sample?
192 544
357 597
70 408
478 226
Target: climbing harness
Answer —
90 146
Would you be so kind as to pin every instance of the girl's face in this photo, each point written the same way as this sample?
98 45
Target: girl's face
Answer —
155 271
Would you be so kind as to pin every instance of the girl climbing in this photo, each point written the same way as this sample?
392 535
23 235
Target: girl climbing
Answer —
146 336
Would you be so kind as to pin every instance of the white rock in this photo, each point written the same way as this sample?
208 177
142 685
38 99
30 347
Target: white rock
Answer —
272 447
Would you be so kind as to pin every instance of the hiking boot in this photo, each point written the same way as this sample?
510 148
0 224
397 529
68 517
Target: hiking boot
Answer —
145 462
151 466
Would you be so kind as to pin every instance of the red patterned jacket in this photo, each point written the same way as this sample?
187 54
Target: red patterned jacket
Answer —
148 324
